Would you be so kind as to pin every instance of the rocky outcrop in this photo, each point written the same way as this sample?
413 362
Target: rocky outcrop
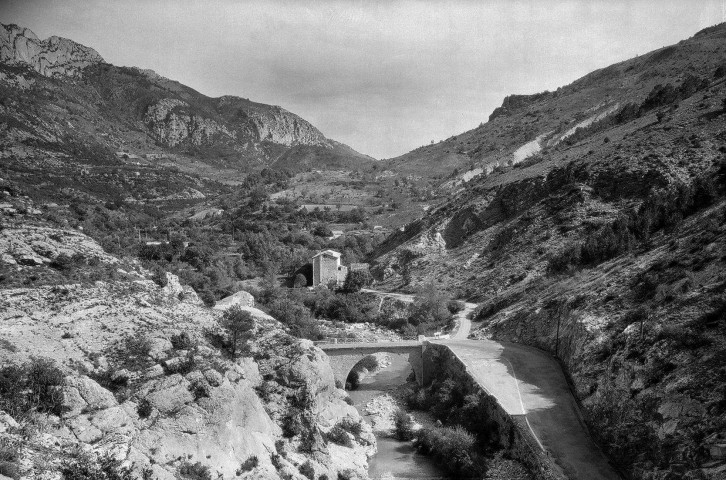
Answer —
277 125
38 245
148 381
54 56
171 123
241 298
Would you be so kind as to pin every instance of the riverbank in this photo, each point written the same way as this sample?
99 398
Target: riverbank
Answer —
379 395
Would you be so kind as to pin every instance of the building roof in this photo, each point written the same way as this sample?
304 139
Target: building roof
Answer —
332 253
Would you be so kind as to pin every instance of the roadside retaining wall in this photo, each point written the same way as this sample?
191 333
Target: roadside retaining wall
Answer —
440 363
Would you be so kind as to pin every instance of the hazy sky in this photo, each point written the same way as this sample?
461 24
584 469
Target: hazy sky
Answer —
382 76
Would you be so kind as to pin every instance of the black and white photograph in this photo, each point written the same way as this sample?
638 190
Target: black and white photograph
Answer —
362 240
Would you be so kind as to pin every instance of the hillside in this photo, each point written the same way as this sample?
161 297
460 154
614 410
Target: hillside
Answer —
596 232
526 127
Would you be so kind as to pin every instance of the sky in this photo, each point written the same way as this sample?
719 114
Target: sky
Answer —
384 77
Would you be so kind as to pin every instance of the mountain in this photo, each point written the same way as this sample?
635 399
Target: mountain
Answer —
590 222
58 93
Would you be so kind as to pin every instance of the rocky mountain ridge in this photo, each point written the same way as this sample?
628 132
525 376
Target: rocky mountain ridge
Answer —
54 56
141 112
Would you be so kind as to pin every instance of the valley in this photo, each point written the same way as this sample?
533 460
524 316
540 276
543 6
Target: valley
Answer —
560 270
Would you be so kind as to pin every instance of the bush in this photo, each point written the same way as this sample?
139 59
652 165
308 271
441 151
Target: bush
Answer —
137 346
403 425
455 306
248 465
351 426
34 386
207 297
181 341
307 470
453 447
87 466
339 436
195 471
62 262
144 408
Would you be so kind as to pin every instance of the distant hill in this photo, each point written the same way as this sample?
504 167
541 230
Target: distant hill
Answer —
58 93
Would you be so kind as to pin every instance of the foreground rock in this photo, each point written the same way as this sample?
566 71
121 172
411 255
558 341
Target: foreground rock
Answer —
148 381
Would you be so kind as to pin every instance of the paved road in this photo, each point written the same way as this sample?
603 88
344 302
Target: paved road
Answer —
529 383
463 324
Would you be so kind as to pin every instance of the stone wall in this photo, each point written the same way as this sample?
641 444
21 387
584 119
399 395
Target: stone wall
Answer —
440 363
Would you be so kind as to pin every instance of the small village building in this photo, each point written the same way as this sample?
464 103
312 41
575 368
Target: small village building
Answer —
327 269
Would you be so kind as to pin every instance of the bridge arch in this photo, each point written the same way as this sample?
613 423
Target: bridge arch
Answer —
343 357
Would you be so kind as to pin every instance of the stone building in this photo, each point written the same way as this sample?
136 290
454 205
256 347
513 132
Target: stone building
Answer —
327 269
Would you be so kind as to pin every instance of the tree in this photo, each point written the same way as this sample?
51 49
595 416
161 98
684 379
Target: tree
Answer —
238 323
356 280
300 281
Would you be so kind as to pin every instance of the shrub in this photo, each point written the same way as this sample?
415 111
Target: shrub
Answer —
351 426
195 471
207 297
137 346
339 436
200 389
35 385
144 408
347 474
158 275
87 466
403 425
455 306
307 470
452 446
9 455
300 281
62 262
181 341
248 465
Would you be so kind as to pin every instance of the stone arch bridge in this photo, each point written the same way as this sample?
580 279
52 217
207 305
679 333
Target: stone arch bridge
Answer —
345 356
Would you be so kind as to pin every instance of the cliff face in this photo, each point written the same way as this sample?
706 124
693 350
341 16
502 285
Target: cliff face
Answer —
170 124
54 56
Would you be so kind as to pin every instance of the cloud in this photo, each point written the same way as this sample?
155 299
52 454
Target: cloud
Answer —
382 76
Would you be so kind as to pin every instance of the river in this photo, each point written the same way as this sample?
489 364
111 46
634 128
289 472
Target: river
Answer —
394 459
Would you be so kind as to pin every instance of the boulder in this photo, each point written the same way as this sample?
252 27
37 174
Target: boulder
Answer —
6 422
241 298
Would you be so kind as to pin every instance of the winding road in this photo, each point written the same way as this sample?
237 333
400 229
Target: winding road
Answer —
530 386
